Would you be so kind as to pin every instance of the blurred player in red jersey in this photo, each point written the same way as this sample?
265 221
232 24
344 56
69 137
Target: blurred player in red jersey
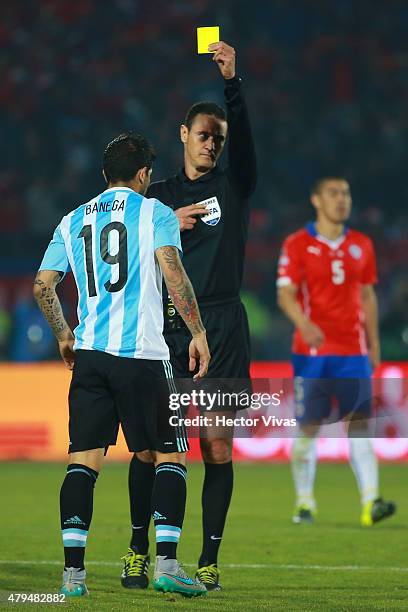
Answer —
325 287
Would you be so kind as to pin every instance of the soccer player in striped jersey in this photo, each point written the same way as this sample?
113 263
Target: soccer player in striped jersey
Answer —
119 245
325 287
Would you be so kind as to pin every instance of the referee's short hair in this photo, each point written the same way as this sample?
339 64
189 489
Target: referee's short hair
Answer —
204 108
125 155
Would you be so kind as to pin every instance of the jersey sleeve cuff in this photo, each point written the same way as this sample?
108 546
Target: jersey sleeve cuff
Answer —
234 83
168 243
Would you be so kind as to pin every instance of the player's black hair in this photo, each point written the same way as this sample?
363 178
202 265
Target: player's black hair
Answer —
125 155
318 184
204 108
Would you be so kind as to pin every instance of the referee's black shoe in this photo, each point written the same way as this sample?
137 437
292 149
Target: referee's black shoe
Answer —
209 576
134 574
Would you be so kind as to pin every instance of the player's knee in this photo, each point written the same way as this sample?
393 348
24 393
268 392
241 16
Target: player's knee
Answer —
170 458
358 425
90 458
145 456
218 450
309 430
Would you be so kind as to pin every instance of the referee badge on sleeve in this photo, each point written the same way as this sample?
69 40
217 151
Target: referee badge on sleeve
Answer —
214 211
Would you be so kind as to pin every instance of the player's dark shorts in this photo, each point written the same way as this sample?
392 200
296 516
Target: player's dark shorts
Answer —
319 380
229 343
107 390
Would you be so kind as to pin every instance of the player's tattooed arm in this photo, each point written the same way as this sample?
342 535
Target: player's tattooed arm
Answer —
47 299
182 294
180 288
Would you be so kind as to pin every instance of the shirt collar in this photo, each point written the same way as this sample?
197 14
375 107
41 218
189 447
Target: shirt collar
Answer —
311 229
111 189
203 179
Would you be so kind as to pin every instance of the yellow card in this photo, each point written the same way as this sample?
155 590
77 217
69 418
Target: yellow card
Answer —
207 36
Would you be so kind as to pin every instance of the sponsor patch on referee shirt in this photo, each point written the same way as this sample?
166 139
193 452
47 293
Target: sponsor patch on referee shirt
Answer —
214 211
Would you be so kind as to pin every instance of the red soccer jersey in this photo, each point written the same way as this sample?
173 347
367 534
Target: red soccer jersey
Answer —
329 275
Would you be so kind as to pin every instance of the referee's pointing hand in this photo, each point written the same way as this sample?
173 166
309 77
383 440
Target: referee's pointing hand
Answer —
187 215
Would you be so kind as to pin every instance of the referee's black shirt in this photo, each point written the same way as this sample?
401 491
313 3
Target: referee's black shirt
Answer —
214 253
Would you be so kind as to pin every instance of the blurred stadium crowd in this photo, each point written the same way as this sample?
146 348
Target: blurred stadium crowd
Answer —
327 85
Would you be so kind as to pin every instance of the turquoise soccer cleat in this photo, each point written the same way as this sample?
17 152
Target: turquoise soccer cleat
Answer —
169 577
74 582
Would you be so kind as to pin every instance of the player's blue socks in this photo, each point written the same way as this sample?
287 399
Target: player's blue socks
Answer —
168 507
216 497
76 505
141 481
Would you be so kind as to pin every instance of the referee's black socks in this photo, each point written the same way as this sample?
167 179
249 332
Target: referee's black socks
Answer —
216 497
168 507
141 481
76 505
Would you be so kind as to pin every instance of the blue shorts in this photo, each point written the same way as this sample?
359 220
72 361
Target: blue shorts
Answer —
320 380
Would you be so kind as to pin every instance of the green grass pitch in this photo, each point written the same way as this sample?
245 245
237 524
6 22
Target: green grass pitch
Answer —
266 562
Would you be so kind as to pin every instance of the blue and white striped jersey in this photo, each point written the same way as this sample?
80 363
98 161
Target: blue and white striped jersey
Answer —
109 245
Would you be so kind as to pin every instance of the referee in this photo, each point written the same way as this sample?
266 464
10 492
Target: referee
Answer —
212 205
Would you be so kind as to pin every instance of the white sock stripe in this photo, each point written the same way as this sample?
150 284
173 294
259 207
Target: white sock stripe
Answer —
165 533
172 469
74 536
175 472
81 470
170 465
172 530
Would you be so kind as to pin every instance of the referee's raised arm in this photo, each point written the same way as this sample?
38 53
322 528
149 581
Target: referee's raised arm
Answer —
241 148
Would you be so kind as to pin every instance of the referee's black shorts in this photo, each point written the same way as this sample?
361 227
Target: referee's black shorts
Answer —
229 343
107 390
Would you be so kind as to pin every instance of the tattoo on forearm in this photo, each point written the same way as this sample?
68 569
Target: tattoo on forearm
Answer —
50 306
184 300
170 257
181 291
